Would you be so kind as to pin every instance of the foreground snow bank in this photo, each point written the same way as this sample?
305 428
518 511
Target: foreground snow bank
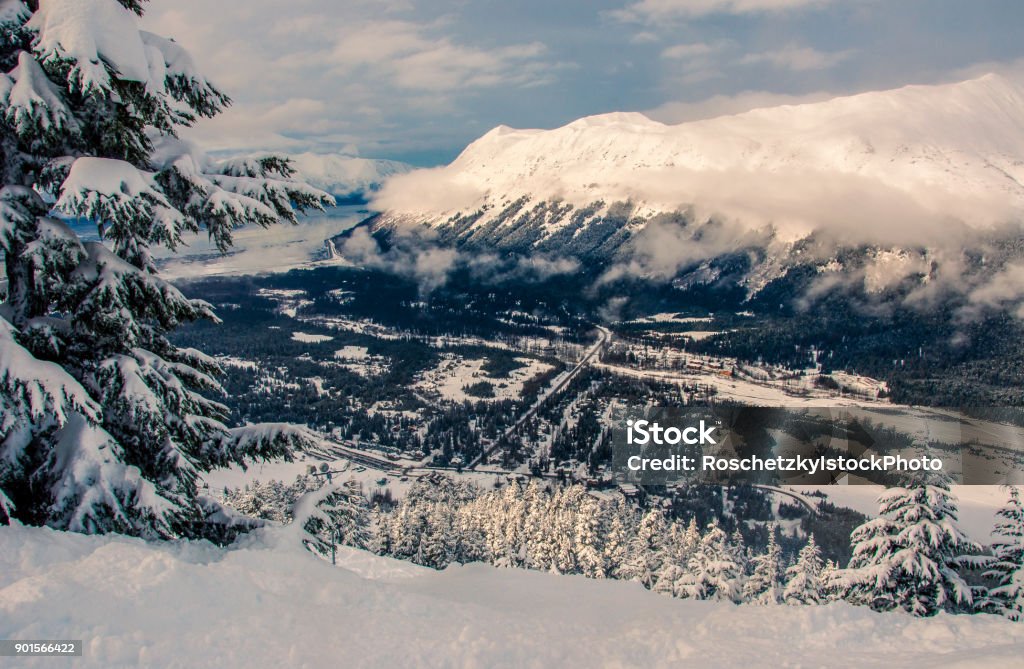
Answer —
268 603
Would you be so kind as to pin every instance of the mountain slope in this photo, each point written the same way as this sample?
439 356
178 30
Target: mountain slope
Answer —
889 167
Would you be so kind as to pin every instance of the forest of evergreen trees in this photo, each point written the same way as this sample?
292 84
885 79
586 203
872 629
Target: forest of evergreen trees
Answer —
911 557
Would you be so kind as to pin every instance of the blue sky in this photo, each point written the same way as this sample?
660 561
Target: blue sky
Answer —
417 80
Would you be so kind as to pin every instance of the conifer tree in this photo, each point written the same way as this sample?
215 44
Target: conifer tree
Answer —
587 537
804 578
908 558
679 546
106 425
765 583
618 525
1007 566
715 570
645 555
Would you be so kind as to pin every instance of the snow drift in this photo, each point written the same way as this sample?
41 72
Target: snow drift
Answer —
268 602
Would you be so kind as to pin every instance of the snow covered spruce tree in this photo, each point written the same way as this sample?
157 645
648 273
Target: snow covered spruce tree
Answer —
765 583
908 558
716 568
1007 566
104 424
805 578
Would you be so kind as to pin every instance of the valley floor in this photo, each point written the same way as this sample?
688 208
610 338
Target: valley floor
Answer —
269 603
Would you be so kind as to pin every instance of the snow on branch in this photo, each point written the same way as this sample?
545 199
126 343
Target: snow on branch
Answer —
95 491
265 441
35 391
176 71
125 201
91 39
32 105
117 299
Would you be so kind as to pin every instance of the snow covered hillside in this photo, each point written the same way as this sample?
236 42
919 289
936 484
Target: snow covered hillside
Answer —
271 603
954 149
345 176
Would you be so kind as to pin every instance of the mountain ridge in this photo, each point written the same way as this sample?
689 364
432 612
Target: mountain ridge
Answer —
906 148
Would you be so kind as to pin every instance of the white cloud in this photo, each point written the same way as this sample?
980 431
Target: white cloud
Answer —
659 10
336 70
1004 291
693 50
724 105
796 58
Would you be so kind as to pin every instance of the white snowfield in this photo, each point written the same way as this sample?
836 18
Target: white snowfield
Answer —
307 338
922 154
449 378
269 603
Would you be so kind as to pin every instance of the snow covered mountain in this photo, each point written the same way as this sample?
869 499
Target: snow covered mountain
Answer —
344 176
899 168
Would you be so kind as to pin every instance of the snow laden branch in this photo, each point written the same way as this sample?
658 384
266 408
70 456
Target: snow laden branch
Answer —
107 425
266 441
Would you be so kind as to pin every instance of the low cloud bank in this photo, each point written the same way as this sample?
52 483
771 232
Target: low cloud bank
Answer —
417 255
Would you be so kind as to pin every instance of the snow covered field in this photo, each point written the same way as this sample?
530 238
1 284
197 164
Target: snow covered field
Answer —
268 603
307 338
454 373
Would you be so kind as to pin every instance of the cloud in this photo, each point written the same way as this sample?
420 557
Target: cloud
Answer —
425 190
1005 290
415 253
695 49
407 55
695 62
796 58
326 72
664 247
724 105
660 10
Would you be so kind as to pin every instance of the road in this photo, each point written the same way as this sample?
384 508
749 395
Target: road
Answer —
336 450
810 506
604 335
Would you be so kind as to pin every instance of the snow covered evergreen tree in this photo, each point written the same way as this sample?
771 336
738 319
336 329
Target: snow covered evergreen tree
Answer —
765 583
617 529
680 544
715 570
105 424
908 557
645 554
804 582
1007 566
589 546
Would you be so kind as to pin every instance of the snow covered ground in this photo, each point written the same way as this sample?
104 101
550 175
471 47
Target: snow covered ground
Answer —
268 603
307 338
454 373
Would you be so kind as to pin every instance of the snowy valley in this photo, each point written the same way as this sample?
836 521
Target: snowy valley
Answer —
309 409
